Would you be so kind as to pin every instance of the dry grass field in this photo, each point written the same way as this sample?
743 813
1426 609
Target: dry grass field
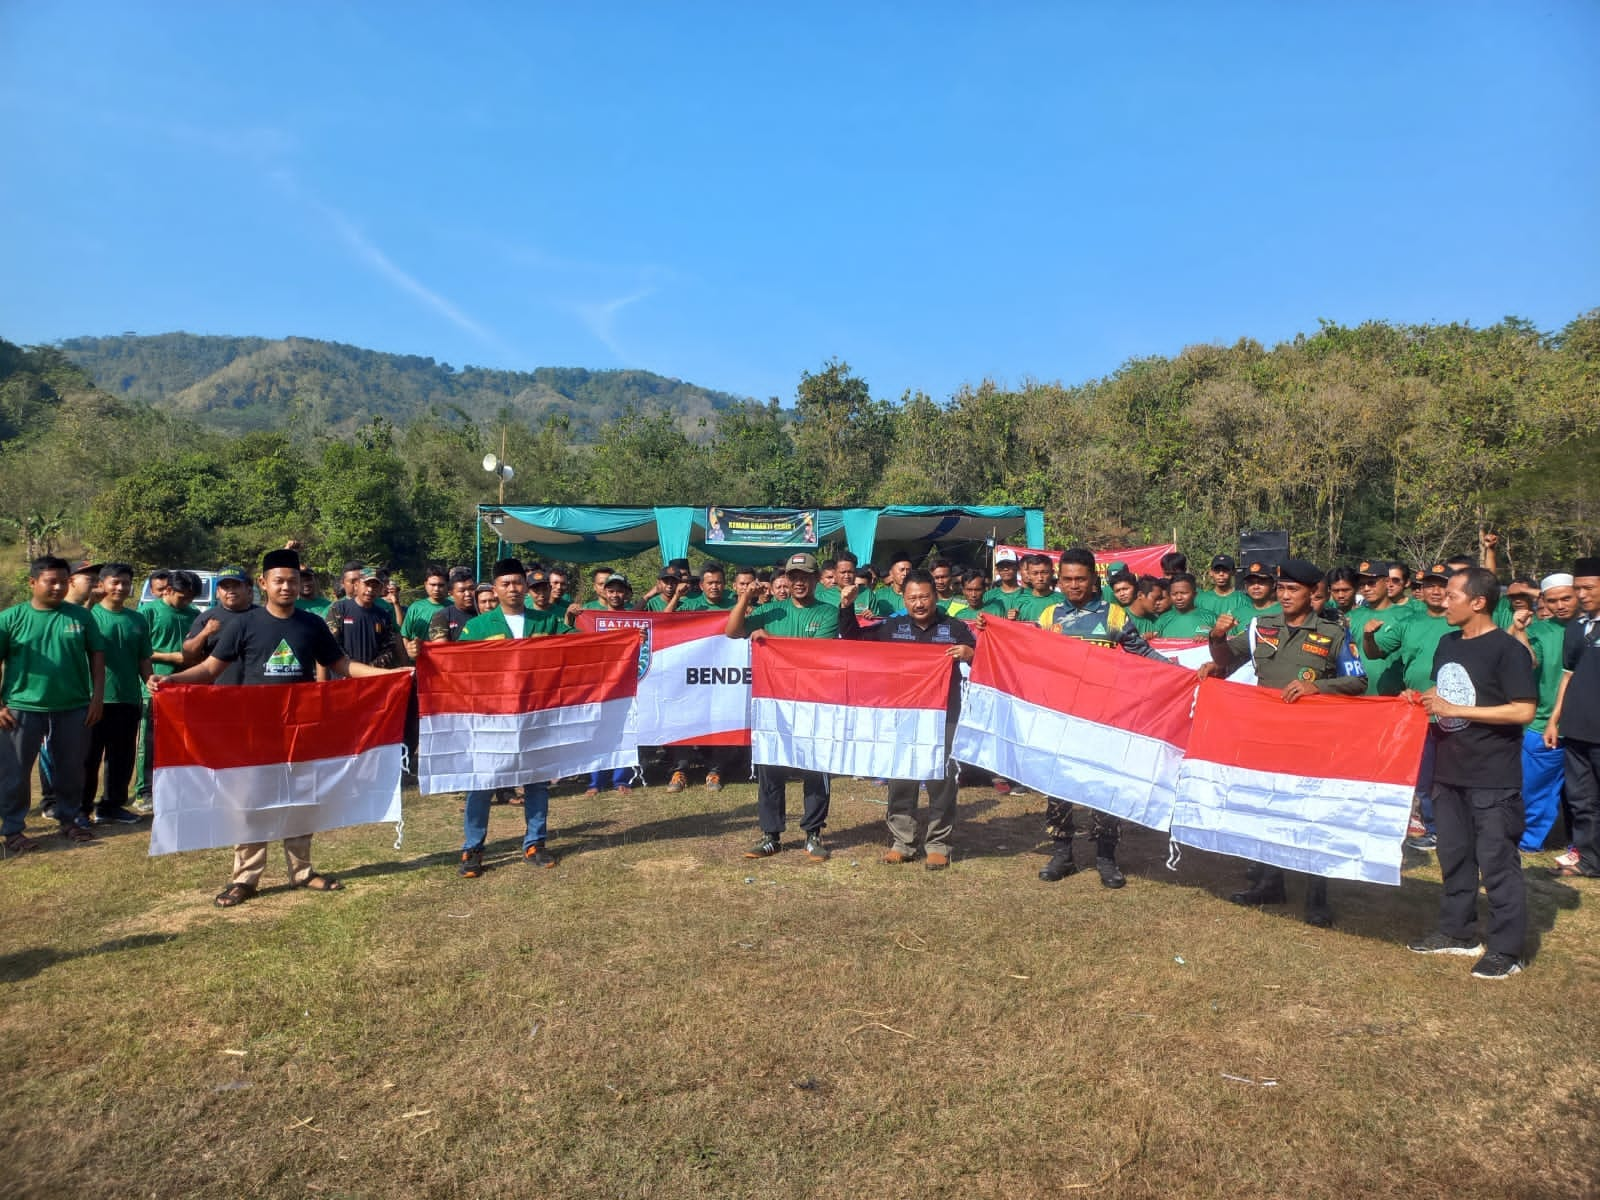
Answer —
659 1018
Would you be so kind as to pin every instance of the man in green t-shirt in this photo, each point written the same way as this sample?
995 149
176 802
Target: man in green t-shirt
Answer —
887 598
1009 589
1385 672
114 739
420 613
713 597
1224 594
170 619
1041 596
1403 648
1543 767
311 598
1185 619
543 618
52 685
1261 591
802 615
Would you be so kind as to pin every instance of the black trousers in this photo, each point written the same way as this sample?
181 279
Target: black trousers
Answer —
1478 830
114 741
770 799
1582 792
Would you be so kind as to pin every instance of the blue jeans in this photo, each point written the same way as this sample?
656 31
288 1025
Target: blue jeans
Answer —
1542 775
619 777
535 808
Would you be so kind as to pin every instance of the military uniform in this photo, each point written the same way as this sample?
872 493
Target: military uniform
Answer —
1318 652
1100 622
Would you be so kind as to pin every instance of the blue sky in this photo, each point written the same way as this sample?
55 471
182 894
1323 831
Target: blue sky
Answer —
732 194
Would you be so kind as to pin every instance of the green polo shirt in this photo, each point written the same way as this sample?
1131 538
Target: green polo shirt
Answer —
44 653
785 618
1546 638
1386 673
127 644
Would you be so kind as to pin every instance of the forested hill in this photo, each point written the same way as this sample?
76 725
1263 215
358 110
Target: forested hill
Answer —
305 387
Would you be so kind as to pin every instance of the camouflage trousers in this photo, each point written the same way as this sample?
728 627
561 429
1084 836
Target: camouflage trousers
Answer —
1104 828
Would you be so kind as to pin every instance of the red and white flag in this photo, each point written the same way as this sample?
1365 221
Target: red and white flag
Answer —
1323 785
259 764
873 709
1084 723
694 681
1193 653
519 710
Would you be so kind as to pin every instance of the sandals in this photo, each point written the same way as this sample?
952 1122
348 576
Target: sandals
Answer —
320 883
77 833
1570 872
21 843
234 894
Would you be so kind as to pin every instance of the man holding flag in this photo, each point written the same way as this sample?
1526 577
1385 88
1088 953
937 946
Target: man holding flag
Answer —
800 616
1304 655
921 622
512 619
276 643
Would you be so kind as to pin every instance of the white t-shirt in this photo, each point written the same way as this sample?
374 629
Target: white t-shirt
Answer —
515 622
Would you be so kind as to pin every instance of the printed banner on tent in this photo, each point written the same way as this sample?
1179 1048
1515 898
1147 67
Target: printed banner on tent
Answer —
259 764
1323 785
872 709
762 527
694 680
1078 722
504 713
1141 560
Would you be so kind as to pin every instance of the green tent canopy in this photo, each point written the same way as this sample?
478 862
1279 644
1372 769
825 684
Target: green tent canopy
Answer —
601 533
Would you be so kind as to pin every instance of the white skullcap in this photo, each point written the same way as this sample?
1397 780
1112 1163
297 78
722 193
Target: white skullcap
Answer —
1560 579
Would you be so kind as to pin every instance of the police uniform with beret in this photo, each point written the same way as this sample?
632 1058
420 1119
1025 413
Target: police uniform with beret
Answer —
1317 652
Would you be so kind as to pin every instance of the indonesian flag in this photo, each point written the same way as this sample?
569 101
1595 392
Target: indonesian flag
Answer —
259 764
519 710
1186 652
694 682
875 709
1089 724
1323 785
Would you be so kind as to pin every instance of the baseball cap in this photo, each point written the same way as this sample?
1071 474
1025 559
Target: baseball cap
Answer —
616 580
1005 556
1223 562
1377 568
1111 568
1438 571
537 575
1258 570
231 575
87 568
802 562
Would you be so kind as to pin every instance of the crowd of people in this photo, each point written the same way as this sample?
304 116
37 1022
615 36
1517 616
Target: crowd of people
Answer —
1508 676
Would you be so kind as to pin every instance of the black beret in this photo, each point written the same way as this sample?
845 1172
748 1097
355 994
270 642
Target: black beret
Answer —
1298 570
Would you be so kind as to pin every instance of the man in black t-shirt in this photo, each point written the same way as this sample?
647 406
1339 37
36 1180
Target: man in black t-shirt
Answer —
1484 694
233 598
1575 721
278 643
